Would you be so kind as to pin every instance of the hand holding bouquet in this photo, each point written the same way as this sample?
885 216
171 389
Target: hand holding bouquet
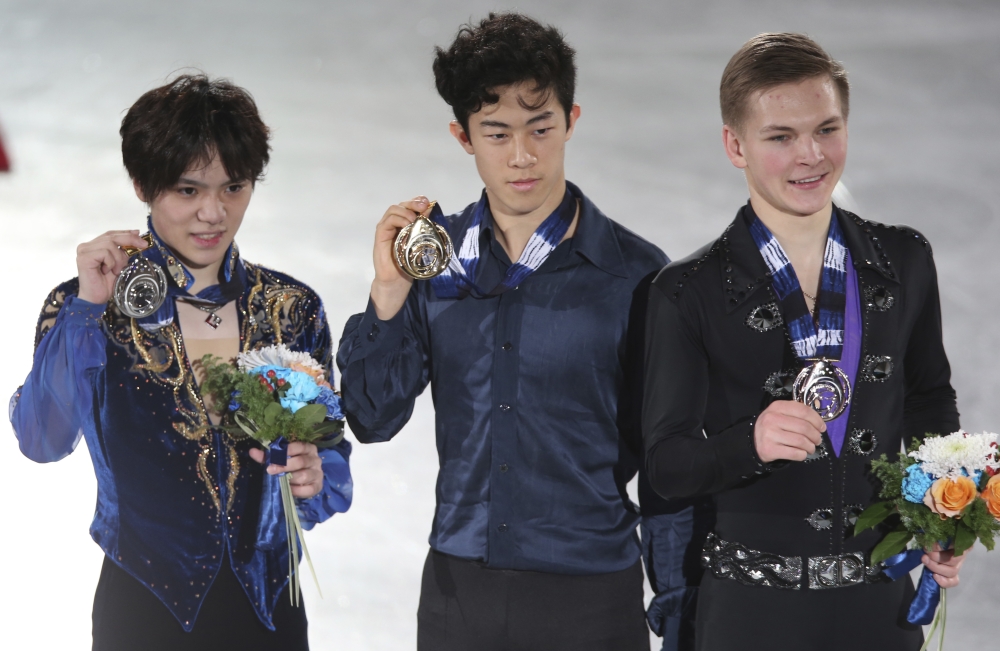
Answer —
949 497
278 396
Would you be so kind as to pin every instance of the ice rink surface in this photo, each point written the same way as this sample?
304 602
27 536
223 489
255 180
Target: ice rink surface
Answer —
348 91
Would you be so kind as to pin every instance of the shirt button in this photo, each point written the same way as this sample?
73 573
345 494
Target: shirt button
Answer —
502 528
504 406
503 467
507 346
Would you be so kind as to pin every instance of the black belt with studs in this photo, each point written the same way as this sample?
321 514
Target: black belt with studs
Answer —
729 560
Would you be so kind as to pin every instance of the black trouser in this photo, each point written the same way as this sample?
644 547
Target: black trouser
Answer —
868 617
465 606
129 617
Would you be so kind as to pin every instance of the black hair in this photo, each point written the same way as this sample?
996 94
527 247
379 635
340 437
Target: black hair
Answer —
504 49
186 122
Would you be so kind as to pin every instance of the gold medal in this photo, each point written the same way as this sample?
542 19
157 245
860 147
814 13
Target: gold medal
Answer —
423 249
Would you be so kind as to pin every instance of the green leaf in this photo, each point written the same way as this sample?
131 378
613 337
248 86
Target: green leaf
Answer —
873 515
964 538
311 415
893 543
246 424
329 443
272 412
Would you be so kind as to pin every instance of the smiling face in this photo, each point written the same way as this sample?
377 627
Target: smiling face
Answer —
520 151
793 147
198 217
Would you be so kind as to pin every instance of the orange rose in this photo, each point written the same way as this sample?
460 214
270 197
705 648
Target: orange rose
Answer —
991 495
948 497
316 375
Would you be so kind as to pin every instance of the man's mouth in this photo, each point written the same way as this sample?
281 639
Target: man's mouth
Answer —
207 239
524 184
808 181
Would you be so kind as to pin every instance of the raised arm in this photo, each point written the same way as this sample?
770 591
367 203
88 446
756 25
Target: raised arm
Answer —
50 409
383 352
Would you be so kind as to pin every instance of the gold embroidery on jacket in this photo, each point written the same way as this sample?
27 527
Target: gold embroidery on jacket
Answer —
273 311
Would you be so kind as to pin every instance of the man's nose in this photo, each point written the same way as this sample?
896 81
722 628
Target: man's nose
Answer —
810 151
522 155
211 210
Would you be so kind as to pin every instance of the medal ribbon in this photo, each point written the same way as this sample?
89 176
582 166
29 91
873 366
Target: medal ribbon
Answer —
458 281
810 339
232 282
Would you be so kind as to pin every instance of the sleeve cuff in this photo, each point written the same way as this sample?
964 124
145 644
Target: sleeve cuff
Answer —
375 335
83 313
737 453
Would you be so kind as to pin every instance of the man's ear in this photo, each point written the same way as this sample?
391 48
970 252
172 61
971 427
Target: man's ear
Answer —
574 115
461 136
138 192
733 143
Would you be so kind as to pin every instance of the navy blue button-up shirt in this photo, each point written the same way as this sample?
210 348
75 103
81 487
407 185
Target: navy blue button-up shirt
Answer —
537 394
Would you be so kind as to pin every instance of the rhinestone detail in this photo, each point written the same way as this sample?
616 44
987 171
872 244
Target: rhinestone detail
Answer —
779 384
878 299
862 442
821 519
764 317
728 560
876 368
820 453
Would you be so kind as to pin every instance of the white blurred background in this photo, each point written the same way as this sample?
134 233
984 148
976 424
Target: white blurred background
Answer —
348 90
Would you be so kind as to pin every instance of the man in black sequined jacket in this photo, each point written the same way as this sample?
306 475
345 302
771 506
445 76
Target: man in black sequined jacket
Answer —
784 568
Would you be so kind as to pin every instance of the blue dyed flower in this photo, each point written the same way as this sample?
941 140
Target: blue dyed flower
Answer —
975 476
334 406
916 483
302 389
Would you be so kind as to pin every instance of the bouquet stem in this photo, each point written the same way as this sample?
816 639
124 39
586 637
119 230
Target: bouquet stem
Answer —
293 528
940 618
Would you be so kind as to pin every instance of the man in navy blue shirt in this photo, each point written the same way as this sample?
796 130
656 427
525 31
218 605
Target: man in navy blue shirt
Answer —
532 345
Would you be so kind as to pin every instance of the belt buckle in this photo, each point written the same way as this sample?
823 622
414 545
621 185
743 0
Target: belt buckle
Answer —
836 571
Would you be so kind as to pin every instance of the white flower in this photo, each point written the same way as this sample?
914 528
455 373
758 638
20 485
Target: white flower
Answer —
152 328
946 456
279 355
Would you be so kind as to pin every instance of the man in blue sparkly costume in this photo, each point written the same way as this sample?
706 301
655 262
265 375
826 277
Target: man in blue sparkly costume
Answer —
190 521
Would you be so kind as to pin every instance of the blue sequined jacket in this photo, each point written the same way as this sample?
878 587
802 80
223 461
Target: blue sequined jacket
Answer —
176 496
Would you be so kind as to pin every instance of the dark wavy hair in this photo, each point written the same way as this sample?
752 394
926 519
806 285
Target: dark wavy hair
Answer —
174 127
504 49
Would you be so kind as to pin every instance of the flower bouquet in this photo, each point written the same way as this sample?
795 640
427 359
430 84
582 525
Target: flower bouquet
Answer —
278 396
950 497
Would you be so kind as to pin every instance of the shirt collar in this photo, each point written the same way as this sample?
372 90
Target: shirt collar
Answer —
595 239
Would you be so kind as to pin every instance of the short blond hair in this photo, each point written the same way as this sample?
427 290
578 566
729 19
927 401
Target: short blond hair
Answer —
769 60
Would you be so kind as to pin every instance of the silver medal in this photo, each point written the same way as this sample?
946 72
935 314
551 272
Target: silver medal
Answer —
824 387
141 287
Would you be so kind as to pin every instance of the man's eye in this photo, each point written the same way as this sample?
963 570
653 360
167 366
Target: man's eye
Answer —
496 136
542 131
187 191
827 130
236 187
779 138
